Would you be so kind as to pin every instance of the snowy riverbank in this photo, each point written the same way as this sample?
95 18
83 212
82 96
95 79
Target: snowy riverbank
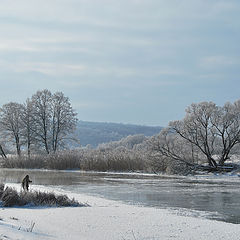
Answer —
107 220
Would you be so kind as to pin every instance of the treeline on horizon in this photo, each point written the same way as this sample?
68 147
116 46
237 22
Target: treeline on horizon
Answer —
208 135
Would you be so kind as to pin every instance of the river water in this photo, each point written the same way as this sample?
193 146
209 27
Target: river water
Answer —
213 196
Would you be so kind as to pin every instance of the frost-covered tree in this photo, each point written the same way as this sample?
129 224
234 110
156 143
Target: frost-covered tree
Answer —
206 130
226 121
44 121
169 152
129 142
42 112
174 147
54 119
11 123
197 128
28 132
63 119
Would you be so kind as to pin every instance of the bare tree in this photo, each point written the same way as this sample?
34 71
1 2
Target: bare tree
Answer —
197 128
169 145
27 117
54 119
63 119
226 121
213 130
42 112
11 124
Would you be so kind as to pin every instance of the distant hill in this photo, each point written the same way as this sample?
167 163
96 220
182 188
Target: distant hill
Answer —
94 133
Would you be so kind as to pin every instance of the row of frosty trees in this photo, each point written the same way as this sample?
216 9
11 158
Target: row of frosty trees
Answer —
43 122
208 133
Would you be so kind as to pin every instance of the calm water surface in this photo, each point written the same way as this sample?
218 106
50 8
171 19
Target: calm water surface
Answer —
213 197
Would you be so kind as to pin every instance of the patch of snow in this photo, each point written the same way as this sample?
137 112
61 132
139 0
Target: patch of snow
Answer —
107 220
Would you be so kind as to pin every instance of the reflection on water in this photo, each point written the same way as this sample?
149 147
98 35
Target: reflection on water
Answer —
218 196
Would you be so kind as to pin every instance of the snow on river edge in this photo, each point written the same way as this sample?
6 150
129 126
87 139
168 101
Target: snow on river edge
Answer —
106 220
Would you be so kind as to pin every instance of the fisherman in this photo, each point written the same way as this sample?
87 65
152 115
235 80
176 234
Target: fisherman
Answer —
25 183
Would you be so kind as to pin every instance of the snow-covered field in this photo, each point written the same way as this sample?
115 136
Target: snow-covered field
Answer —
107 220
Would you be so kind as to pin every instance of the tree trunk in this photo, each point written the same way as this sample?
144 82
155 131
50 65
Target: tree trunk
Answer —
18 147
28 149
212 162
222 160
2 152
46 146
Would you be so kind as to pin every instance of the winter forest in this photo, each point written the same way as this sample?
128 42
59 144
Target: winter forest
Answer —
37 133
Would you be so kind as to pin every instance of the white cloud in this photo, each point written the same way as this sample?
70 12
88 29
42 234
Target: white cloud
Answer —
13 46
218 61
54 69
47 68
109 46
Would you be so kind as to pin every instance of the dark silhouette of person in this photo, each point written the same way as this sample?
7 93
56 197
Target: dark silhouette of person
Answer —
25 183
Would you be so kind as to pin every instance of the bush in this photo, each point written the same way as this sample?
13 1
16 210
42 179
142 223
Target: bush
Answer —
10 197
1 189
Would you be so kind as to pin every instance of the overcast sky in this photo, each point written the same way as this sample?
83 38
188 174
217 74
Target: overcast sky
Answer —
129 61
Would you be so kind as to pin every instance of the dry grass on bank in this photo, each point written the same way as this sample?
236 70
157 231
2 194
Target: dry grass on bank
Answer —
9 197
116 160
89 160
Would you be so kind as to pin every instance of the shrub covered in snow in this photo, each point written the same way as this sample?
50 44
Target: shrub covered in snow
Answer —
10 197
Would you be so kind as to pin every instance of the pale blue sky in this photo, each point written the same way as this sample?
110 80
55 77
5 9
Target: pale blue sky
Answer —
128 61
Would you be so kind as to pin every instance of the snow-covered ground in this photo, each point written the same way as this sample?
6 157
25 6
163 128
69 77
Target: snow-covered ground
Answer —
107 220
